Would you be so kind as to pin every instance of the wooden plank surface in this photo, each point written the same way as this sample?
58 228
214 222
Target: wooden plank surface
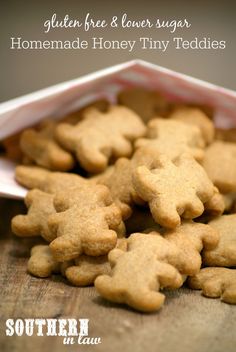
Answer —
188 322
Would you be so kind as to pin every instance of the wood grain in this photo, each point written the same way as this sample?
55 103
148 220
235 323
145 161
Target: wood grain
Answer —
188 321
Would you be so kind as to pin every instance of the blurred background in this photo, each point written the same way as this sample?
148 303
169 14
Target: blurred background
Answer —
24 71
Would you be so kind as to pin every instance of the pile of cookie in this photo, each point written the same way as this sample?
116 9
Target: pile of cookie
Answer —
133 198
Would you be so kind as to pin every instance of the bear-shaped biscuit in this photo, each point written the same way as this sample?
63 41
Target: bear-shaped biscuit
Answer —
173 138
42 148
41 262
139 273
35 223
173 189
86 222
224 254
216 282
99 136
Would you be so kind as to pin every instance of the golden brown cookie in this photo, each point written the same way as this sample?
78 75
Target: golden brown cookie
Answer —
41 262
145 103
139 273
11 147
74 117
191 238
230 202
87 268
173 138
173 189
86 222
224 254
100 136
41 147
216 282
195 117
118 179
220 165
47 181
35 223
216 205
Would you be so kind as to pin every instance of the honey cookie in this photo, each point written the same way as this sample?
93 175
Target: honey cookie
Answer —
216 282
173 189
47 181
87 268
41 147
86 222
139 273
41 262
145 103
191 238
216 205
74 117
11 146
100 136
220 165
173 138
196 117
224 254
35 223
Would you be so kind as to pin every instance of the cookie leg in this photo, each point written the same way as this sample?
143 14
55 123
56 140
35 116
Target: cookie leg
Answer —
229 294
65 248
100 243
23 226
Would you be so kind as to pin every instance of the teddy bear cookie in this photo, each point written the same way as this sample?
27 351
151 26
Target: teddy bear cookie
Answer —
100 136
35 223
224 254
196 117
86 268
85 222
191 238
174 190
216 282
220 165
41 147
139 273
50 182
75 116
173 138
41 262
145 103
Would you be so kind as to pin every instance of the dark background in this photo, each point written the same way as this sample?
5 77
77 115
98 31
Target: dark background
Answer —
23 71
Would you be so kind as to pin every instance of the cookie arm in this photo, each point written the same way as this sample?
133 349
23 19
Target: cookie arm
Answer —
66 247
23 226
210 238
90 156
168 275
114 255
31 176
113 216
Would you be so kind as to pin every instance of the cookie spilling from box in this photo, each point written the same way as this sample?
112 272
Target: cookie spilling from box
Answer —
133 198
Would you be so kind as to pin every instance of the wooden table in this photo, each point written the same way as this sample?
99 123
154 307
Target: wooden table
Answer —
188 322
